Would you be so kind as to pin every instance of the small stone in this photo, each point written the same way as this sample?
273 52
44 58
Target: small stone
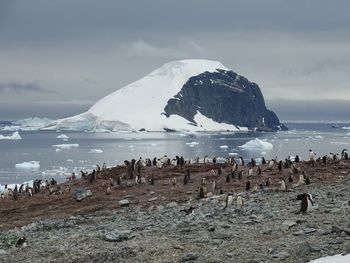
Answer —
347 231
152 193
336 242
309 230
171 205
153 199
176 246
124 202
117 236
281 255
81 193
335 211
289 224
211 229
189 256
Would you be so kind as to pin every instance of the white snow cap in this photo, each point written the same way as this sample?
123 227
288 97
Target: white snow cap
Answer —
141 103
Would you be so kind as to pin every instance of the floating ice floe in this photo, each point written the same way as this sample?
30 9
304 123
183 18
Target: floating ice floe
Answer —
70 160
333 259
14 136
32 165
153 144
62 136
257 144
233 154
192 144
58 150
223 147
95 151
346 128
66 146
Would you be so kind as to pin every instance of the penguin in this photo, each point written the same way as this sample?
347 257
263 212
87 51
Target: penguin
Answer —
108 190
205 159
253 162
202 192
185 179
290 178
239 201
241 160
280 166
214 159
220 170
312 155
301 179
247 186
227 178
152 180
189 210
204 181
174 181
261 187
240 175
268 181
229 200
188 174
259 170
306 202
213 185
324 159
271 164
111 182
250 172
255 189
283 186
21 242
307 180
263 161
297 159
30 192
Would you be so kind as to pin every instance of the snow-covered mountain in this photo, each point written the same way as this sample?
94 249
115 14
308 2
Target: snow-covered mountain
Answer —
193 95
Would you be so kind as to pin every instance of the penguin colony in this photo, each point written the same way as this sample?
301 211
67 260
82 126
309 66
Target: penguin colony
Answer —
251 175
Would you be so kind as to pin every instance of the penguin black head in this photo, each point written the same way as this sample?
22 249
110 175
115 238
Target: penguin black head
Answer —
20 241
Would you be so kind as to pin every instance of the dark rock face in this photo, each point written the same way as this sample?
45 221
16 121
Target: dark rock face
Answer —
225 97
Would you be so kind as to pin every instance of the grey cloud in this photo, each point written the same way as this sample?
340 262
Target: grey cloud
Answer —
19 88
318 67
315 110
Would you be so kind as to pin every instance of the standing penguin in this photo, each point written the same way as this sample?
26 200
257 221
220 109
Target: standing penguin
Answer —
250 172
214 185
259 170
290 178
247 186
229 200
239 201
283 186
268 181
241 160
297 159
306 202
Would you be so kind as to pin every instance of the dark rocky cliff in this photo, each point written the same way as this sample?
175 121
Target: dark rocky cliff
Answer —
225 97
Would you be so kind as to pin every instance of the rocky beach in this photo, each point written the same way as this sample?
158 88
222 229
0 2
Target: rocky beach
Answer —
154 223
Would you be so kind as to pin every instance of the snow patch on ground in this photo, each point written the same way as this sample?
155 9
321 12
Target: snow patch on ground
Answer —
257 144
14 136
32 165
333 259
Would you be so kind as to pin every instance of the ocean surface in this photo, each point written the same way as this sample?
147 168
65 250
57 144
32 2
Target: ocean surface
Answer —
90 149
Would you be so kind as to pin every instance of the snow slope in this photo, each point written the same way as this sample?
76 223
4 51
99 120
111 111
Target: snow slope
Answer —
140 104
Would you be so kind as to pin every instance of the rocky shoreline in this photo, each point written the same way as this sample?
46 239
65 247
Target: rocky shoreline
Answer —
154 227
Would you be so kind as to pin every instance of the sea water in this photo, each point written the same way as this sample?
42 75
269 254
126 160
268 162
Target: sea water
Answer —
58 154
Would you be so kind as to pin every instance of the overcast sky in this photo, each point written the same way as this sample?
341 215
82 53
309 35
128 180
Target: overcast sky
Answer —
59 57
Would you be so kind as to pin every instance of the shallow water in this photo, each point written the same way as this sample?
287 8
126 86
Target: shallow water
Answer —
116 147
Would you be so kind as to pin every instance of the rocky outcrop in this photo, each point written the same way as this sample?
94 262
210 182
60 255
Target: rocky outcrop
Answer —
225 97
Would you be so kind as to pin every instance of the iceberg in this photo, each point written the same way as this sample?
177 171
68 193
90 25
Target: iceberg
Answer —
32 165
257 144
95 151
192 144
62 136
66 146
223 147
14 136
